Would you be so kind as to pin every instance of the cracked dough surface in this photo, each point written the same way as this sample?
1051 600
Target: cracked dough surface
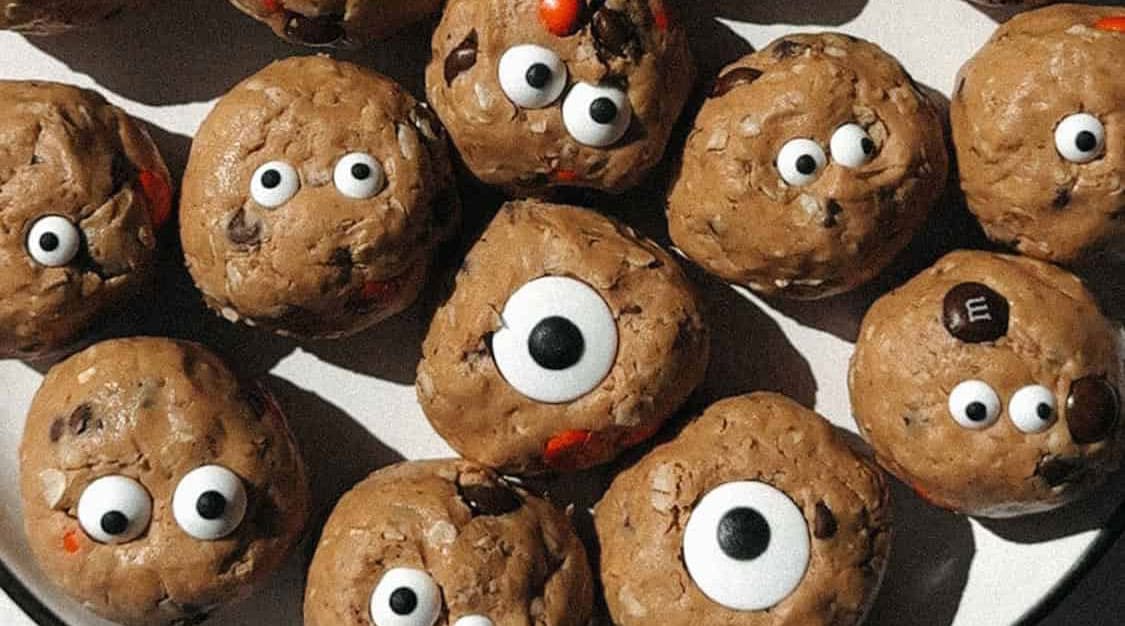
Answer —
48 17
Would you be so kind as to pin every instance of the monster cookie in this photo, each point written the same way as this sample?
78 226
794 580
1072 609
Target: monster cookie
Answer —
49 17
83 190
990 384
337 22
544 93
566 340
1039 126
811 165
756 514
314 196
446 543
154 486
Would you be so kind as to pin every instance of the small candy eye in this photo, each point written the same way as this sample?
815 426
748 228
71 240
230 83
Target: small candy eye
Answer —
359 175
1080 138
274 184
405 597
532 76
114 509
800 162
851 146
974 405
53 241
746 545
209 503
1033 409
596 116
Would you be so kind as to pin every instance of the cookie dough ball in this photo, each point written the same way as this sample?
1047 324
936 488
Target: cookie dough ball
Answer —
83 190
1039 126
567 339
51 17
342 23
154 486
446 543
991 384
812 164
314 196
545 93
757 514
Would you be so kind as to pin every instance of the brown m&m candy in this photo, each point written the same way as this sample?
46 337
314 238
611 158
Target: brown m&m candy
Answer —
1092 409
975 313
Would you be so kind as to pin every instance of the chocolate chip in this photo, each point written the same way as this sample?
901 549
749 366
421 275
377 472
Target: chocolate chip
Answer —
243 233
1092 409
1062 198
1058 470
735 78
614 35
122 172
79 418
322 30
489 500
824 522
56 431
342 259
462 58
833 210
787 48
974 313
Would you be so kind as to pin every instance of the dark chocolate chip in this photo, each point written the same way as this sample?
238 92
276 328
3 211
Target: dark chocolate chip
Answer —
462 58
1062 198
734 78
56 431
489 500
788 48
322 30
824 522
342 259
1092 409
243 233
614 35
1058 470
122 172
79 418
974 313
832 212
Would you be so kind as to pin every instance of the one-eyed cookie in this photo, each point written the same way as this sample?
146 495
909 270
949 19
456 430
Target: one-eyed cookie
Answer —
155 487
50 17
812 164
991 385
82 191
447 543
545 93
314 196
566 340
344 23
757 514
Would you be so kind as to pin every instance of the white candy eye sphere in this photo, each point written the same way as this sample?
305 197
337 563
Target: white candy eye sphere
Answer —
746 545
558 340
114 509
1033 409
405 597
596 116
974 405
532 76
851 146
274 184
359 176
53 241
1080 138
474 620
800 162
209 503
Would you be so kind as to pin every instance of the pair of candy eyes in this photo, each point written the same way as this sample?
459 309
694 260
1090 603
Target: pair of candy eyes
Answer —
975 405
406 596
357 175
800 161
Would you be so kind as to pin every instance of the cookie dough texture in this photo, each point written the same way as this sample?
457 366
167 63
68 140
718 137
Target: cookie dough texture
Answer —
636 45
50 17
322 264
1039 68
153 410
344 23
729 208
906 364
762 437
494 550
69 153
662 351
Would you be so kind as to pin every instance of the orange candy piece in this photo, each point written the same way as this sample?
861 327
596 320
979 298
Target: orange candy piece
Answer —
1115 24
567 450
560 17
158 193
565 176
70 542
273 6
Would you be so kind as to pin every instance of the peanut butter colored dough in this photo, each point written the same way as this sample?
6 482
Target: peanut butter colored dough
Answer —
730 208
50 17
321 263
493 550
907 365
77 174
1011 98
154 410
762 437
337 22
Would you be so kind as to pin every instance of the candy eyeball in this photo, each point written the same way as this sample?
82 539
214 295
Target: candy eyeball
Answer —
974 405
274 184
1033 409
114 509
851 146
532 76
53 241
405 597
800 162
359 175
474 620
1080 138
209 502
597 116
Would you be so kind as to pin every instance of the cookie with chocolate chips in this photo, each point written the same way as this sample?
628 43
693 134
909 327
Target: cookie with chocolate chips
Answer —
446 543
812 164
51 17
314 197
342 23
544 93
992 385
757 514
155 486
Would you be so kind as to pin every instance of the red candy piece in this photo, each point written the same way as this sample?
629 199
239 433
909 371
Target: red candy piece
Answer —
659 14
560 17
379 289
158 193
273 6
568 450
1114 24
70 542
565 176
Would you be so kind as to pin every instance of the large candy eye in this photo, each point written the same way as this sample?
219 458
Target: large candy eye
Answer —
274 184
474 620
209 503
532 76
1033 409
974 405
53 241
405 597
851 146
746 545
1080 138
558 340
114 509
800 162
596 116
359 176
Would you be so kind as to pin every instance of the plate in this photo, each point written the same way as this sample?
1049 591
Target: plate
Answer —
352 403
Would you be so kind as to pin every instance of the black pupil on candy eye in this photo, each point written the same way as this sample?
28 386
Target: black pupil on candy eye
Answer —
1044 411
361 171
556 343
271 179
114 523
868 145
603 110
976 411
743 534
403 601
1086 141
806 165
538 75
211 505
49 242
